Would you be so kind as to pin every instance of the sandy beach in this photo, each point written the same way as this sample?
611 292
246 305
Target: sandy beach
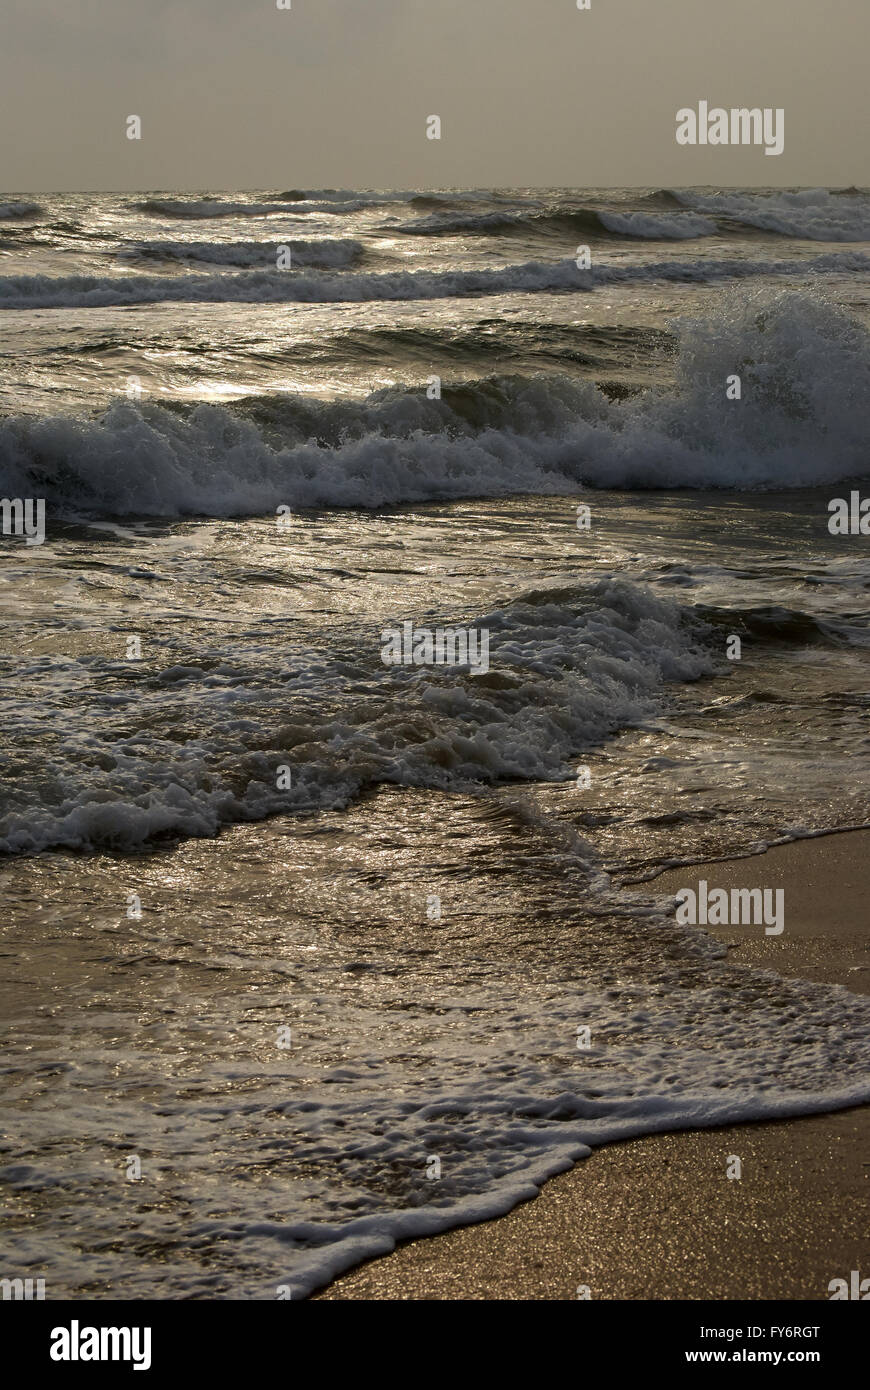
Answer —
657 1218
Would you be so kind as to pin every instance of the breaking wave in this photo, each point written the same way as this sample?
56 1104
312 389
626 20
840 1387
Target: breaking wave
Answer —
82 291
813 213
10 211
804 366
682 227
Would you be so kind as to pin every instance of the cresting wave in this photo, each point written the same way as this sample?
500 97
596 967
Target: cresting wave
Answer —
804 364
258 653
683 227
82 291
812 213
10 211
558 221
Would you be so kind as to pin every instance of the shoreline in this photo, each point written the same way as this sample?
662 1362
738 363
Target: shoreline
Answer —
656 1217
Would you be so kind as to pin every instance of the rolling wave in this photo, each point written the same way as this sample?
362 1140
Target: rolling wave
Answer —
10 211
681 227
206 207
500 340
335 253
82 291
366 198
577 222
213 207
804 367
813 213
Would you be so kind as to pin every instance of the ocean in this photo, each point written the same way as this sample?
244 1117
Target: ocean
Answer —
306 952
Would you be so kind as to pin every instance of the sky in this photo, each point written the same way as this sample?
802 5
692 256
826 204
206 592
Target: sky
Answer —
238 94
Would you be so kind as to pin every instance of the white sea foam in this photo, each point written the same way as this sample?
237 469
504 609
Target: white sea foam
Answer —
475 1062
83 291
813 213
508 1135
682 226
564 671
805 368
9 211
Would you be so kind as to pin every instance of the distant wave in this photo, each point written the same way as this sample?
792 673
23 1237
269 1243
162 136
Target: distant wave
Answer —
9 211
385 197
436 201
502 222
334 209
804 364
661 198
212 207
377 198
288 286
578 221
334 254
206 207
681 227
813 213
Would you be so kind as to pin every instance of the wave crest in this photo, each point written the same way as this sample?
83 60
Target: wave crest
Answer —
804 365
561 222
813 213
287 287
10 211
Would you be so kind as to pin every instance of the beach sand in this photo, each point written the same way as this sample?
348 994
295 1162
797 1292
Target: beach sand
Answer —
657 1218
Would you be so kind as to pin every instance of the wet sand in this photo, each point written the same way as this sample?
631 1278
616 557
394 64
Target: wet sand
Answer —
657 1217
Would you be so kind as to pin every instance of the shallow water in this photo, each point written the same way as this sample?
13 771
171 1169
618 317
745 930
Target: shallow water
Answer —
453 882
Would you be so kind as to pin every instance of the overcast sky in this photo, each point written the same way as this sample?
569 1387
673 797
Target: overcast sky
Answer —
237 94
